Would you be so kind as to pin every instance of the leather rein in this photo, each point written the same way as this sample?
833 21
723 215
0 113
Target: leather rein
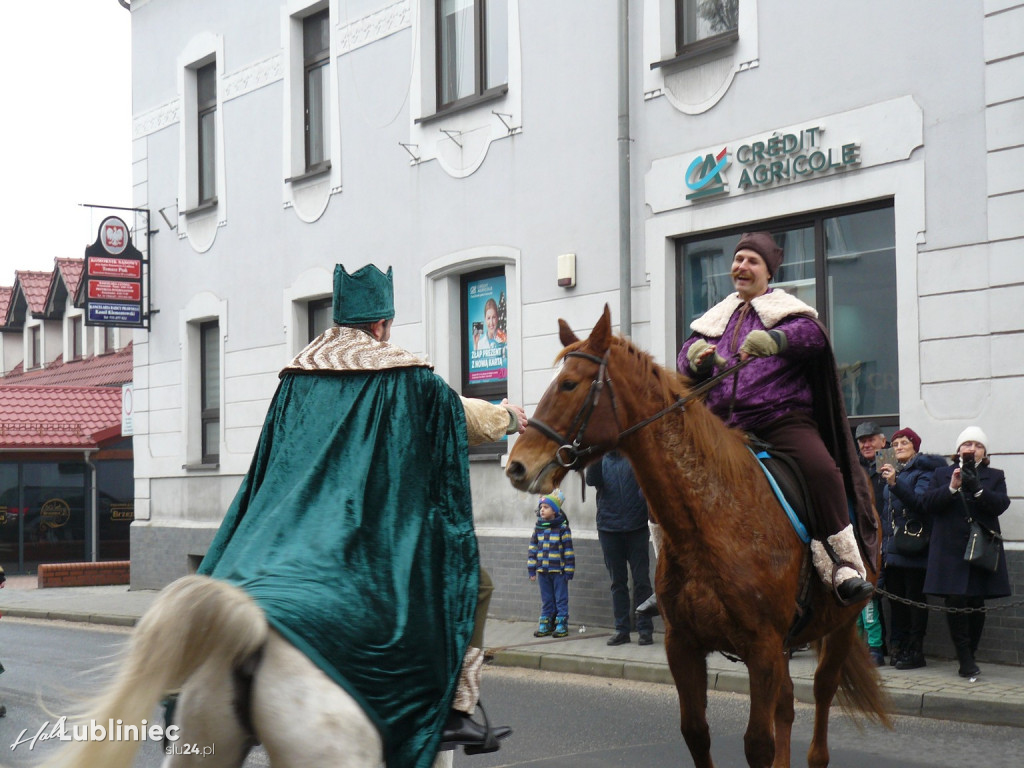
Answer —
572 449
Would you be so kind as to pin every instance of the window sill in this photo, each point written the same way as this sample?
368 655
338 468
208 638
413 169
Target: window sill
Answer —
696 50
201 467
496 456
312 173
207 206
464 104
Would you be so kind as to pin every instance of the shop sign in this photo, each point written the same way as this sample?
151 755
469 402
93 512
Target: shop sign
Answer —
772 160
55 513
122 512
113 274
866 137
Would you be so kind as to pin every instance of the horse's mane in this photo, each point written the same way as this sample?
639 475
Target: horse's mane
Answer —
708 434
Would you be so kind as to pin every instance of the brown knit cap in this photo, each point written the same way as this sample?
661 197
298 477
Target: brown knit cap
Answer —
764 246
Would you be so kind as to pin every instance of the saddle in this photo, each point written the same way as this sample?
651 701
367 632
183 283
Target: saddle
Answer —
787 482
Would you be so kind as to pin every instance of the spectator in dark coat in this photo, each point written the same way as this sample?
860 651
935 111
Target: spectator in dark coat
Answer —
870 439
954 495
904 574
624 536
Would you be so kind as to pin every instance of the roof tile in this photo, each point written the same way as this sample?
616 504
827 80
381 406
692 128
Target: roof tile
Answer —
71 418
96 371
35 286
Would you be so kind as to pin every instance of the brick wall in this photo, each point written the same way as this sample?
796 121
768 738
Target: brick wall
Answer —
84 574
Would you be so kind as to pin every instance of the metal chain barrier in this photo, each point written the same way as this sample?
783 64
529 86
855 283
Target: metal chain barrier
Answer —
944 609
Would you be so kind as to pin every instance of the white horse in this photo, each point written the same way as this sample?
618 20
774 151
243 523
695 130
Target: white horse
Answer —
194 637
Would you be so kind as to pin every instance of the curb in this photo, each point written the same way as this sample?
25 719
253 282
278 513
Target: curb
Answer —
980 709
83 618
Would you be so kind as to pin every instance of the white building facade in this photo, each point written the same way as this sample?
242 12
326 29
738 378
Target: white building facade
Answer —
471 143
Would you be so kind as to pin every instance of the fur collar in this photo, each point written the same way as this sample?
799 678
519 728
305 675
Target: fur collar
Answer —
338 350
772 308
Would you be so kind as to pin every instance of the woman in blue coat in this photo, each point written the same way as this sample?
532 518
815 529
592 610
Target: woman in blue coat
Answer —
956 493
905 484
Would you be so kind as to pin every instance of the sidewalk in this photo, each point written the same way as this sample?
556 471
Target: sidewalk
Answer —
996 698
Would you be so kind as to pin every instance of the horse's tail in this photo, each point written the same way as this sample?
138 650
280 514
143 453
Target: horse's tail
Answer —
194 621
860 685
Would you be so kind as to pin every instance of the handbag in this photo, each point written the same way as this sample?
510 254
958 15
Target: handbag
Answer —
909 537
984 547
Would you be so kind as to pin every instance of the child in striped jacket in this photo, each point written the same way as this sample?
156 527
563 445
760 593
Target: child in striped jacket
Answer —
552 563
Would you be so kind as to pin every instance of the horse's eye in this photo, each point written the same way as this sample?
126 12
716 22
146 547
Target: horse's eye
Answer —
568 385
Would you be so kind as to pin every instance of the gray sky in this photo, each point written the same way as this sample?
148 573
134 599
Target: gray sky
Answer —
66 134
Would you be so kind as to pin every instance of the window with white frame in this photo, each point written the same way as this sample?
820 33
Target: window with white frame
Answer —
76 338
206 131
320 317
35 347
701 23
316 56
209 390
471 45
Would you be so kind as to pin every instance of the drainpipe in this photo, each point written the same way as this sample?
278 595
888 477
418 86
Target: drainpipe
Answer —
625 260
93 497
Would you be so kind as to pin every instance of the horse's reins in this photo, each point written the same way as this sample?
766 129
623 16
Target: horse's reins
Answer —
572 449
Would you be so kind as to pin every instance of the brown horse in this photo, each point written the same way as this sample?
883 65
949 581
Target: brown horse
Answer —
732 566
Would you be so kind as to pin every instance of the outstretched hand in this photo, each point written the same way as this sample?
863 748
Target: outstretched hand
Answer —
520 415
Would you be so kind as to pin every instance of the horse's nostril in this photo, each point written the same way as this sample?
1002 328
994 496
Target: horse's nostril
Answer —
515 470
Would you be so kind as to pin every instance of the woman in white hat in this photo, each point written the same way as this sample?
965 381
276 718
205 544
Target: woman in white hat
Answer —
957 493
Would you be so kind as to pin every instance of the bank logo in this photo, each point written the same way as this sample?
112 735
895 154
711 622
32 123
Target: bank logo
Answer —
704 176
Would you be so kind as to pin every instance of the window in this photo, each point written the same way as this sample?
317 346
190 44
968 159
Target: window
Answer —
472 49
841 263
76 340
108 340
206 107
320 317
316 50
697 21
35 348
209 386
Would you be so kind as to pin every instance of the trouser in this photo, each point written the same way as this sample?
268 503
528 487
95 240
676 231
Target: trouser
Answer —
869 624
622 549
908 623
554 593
467 691
797 436
965 628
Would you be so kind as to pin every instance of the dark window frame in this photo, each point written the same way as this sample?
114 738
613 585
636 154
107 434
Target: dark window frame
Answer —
811 219
314 60
311 309
77 334
481 91
684 48
208 414
206 108
35 347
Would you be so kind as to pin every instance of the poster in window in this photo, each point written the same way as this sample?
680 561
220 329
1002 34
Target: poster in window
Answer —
486 331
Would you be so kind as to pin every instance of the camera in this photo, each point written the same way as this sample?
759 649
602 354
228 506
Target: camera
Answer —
967 466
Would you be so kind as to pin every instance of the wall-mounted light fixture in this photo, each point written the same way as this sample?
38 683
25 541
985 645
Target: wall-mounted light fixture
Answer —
567 270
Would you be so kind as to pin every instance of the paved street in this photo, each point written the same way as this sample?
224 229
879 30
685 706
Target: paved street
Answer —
560 719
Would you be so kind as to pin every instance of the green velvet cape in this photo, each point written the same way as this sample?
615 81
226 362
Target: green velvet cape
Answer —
353 531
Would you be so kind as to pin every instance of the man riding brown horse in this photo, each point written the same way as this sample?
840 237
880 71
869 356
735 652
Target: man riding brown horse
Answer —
789 398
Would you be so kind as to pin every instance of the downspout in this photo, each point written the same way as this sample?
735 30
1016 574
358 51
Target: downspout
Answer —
94 517
625 260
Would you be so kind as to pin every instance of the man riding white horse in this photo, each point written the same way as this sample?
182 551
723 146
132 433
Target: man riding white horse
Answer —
353 529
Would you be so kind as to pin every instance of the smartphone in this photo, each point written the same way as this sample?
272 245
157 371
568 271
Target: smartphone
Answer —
885 456
478 327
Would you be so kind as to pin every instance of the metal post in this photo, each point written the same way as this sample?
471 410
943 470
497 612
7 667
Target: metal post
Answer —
625 260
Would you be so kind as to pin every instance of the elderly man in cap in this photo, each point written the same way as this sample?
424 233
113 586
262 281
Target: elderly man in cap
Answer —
353 529
789 396
870 440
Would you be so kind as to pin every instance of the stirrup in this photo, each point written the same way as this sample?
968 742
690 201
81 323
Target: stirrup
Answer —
491 743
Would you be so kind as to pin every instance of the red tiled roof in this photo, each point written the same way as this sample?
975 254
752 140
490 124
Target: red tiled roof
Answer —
63 418
96 371
5 302
35 286
71 270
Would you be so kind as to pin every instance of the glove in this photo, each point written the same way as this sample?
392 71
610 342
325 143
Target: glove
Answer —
568 575
969 481
764 343
701 367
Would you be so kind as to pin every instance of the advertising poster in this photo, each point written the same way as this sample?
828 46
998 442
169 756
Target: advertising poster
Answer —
486 331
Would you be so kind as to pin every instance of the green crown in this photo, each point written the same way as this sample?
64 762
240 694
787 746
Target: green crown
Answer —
365 296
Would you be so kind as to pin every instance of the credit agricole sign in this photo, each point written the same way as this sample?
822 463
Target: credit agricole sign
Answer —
824 147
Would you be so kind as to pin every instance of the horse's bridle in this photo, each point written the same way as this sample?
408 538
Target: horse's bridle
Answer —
572 449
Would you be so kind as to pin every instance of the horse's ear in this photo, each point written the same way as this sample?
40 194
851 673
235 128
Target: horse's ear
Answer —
565 334
601 336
